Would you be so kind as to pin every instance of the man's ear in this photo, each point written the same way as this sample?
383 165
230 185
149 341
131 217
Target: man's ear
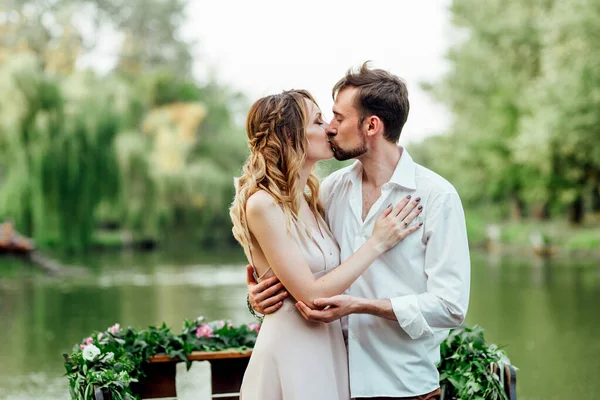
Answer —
374 125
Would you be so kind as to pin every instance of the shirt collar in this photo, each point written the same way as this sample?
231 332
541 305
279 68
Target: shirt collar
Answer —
404 174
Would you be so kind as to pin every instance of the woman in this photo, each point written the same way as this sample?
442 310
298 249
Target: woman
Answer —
277 218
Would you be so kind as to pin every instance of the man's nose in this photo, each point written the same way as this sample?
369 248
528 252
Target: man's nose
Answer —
331 131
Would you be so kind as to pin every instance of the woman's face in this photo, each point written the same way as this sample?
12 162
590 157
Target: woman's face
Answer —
318 146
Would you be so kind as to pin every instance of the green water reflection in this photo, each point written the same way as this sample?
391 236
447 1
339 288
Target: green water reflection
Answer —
545 314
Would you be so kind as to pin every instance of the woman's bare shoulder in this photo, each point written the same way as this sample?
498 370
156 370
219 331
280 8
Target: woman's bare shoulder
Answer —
261 203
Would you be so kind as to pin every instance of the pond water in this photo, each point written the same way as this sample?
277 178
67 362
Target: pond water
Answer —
546 314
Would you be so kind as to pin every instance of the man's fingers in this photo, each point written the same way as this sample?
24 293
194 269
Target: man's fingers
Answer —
306 311
303 307
301 310
250 275
313 315
264 285
274 299
324 302
268 292
273 308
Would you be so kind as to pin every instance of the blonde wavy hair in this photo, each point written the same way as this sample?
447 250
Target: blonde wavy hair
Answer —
276 136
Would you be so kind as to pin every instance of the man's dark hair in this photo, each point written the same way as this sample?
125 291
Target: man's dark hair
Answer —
380 93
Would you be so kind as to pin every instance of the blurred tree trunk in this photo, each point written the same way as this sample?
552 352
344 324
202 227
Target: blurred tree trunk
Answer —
576 210
541 212
516 206
595 196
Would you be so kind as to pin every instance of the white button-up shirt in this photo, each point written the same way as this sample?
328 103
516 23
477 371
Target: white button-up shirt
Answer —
426 277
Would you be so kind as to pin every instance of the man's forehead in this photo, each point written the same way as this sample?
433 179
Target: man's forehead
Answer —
345 98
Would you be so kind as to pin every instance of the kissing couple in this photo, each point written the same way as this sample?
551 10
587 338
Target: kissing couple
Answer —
360 277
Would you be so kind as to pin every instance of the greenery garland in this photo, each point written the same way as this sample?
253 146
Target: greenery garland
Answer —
114 358
466 367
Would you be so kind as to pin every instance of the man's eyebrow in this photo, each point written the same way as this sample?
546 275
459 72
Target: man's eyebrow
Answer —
337 113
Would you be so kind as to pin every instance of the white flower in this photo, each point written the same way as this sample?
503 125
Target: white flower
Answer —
90 352
108 356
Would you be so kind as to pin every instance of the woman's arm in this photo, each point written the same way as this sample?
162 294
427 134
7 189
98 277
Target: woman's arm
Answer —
267 223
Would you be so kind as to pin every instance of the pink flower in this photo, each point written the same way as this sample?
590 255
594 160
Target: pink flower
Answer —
221 323
82 346
114 329
88 341
204 331
100 336
254 327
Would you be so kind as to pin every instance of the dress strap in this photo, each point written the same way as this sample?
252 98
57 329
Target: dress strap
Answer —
254 273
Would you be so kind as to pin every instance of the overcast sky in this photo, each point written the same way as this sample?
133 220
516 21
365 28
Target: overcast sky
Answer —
265 46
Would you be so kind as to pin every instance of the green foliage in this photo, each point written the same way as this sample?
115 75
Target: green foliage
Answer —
163 87
57 150
114 358
219 335
525 105
192 199
557 233
465 367
75 151
150 29
74 155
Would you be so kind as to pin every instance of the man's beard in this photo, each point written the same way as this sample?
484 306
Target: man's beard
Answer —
346 154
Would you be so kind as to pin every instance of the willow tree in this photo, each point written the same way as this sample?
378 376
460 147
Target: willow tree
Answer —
74 149
57 152
177 176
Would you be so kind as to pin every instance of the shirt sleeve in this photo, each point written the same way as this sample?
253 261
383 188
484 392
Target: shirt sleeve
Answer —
448 269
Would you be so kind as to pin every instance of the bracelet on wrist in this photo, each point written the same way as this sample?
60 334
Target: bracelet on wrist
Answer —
256 315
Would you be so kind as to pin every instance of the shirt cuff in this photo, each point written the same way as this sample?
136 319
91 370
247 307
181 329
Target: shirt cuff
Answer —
408 314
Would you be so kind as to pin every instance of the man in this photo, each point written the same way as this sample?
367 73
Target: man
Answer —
400 310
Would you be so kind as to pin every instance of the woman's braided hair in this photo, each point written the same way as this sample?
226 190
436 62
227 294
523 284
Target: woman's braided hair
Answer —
276 136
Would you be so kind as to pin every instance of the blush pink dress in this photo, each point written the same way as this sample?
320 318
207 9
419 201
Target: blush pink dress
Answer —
295 359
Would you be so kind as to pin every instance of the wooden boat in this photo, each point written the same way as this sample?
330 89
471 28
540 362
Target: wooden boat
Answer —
13 242
227 371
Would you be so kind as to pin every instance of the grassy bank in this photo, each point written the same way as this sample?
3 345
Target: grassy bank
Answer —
556 234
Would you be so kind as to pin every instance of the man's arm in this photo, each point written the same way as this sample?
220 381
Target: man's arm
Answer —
336 307
447 267
267 296
448 271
